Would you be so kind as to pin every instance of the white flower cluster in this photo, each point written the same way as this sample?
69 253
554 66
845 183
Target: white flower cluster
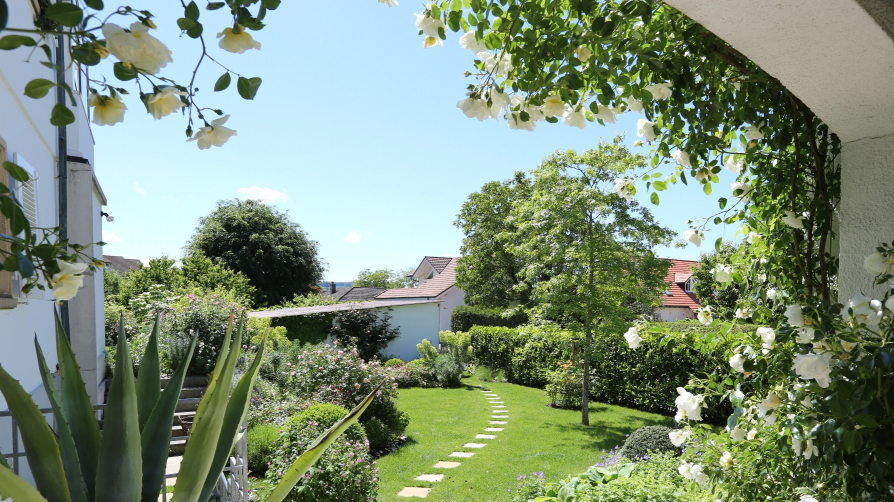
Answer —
624 187
633 338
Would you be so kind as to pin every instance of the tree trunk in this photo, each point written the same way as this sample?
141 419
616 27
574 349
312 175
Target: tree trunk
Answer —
585 399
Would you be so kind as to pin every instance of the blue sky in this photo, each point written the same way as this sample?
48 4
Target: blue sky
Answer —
354 132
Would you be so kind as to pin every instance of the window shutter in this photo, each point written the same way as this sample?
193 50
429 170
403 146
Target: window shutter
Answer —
6 291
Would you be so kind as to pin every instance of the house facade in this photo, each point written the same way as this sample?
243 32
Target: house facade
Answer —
678 302
436 280
60 164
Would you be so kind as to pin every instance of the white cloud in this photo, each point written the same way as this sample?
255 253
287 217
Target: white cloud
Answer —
136 186
110 237
263 195
353 238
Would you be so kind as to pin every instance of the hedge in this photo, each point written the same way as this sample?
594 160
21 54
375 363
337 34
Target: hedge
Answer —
311 328
466 316
645 378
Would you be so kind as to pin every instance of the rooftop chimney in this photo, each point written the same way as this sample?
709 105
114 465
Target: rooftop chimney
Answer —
332 287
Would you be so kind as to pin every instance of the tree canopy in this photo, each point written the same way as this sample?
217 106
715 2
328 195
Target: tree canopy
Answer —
384 278
263 244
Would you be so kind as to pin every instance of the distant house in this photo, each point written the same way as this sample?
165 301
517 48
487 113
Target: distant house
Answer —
679 302
351 294
436 277
121 264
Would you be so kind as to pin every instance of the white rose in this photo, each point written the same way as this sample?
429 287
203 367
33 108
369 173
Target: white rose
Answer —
726 460
767 335
794 315
769 403
865 310
66 283
428 26
237 40
689 404
515 122
702 174
771 293
878 263
500 64
634 104
770 419
753 133
685 470
679 436
811 366
165 102
705 316
106 110
752 236
498 100
470 42
698 474
810 450
792 220
889 304
745 188
633 338
694 236
136 47
637 143
735 163
623 188
606 114
646 129
737 434
737 362
805 335
742 313
583 53
553 106
807 498
214 135
475 108
681 157
751 434
660 91
722 273
575 117
389 3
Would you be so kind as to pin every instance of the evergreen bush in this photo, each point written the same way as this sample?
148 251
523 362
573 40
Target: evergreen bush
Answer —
261 441
466 316
647 440
447 371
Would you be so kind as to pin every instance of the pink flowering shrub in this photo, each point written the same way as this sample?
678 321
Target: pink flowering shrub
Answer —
345 472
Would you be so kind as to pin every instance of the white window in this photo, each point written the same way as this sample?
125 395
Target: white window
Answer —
687 286
27 192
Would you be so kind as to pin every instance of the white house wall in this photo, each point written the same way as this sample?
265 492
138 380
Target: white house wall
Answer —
675 314
454 297
415 322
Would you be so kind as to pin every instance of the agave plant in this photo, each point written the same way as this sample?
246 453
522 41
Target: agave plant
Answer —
125 462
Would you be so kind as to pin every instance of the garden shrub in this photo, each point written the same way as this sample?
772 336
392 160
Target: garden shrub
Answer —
427 352
273 409
393 362
208 316
416 373
565 386
344 473
646 440
377 433
526 355
261 441
368 330
458 344
309 329
447 371
277 336
466 316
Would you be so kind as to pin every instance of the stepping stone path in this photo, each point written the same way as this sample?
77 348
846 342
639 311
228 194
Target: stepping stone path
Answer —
501 419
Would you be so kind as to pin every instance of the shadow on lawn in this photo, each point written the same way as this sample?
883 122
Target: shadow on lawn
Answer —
605 434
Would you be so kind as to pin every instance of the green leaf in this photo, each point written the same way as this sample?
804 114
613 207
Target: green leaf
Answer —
722 202
316 450
94 4
38 440
38 88
237 408
866 420
574 81
156 436
63 433
124 73
13 487
149 379
654 198
10 42
248 87
61 116
78 410
214 5
222 83
66 14
16 172
3 461
271 4
120 456
4 14
660 185
852 441
208 422
707 188
192 11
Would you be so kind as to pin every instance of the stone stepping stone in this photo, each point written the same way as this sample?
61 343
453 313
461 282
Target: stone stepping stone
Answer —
499 416
461 454
431 478
497 402
498 422
474 445
499 406
493 429
447 465
485 436
414 491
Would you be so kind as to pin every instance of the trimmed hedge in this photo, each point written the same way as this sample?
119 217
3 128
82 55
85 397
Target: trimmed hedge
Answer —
646 440
466 316
310 329
645 378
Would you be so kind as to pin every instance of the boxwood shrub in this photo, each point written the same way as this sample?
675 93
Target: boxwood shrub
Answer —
645 378
646 440
466 316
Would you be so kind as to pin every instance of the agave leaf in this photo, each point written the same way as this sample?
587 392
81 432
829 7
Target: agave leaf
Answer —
78 411
41 448
237 408
205 433
3 461
212 380
120 459
15 488
156 435
149 379
66 442
316 450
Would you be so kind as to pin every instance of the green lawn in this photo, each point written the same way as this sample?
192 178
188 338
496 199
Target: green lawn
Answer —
537 438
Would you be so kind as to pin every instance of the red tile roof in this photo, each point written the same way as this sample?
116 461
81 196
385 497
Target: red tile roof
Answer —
432 287
679 272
